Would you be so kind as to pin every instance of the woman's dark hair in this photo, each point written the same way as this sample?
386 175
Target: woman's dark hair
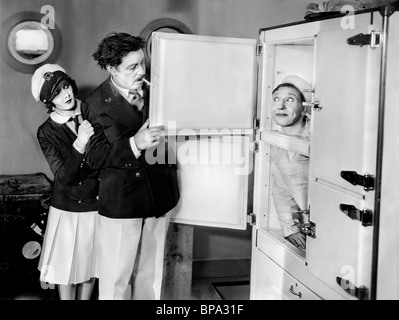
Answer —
289 85
50 105
114 47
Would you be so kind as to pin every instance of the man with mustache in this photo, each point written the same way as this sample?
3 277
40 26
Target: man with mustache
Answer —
135 196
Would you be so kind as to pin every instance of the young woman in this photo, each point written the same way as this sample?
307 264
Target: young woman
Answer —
68 257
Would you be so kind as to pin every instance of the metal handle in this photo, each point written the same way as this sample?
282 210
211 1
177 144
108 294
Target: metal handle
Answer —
315 105
299 294
362 292
365 216
309 229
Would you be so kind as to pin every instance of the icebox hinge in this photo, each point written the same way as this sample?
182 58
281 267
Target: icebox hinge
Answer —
259 49
251 219
254 146
366 181
365 215
361 292
373 39
255 123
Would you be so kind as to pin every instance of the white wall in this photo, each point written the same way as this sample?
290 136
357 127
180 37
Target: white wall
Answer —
244 18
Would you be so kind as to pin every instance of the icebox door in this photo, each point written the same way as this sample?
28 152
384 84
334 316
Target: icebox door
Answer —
202 82
344 138
203 91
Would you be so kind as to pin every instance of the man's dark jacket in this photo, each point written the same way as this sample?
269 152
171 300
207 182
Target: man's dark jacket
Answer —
129 187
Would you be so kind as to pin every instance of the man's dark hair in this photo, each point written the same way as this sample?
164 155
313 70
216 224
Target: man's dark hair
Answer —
115 46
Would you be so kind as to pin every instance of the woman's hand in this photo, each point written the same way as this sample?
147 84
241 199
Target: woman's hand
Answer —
85 131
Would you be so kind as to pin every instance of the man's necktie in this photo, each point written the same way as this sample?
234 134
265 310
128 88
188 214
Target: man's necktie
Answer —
136 100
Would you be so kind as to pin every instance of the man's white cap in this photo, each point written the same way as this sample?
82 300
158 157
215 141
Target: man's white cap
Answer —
302 85
38 78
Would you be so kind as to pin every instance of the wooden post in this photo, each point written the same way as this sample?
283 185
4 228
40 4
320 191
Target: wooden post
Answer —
178 263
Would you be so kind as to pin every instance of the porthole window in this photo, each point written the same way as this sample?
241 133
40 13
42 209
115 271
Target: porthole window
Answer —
161 25
26 43
29 43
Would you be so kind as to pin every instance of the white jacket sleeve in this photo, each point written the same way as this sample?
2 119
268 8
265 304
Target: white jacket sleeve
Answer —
289 186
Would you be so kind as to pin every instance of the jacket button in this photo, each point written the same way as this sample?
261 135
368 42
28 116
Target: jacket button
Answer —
79 201
138 174
80 183
97 197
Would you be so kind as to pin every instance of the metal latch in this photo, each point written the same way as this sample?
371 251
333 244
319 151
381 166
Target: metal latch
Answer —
251 219
365 216
254 146
259 49
366 181
361 293
315 105
373 39
255 123
309 229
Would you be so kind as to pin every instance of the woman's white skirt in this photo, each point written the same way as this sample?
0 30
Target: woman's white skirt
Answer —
69 247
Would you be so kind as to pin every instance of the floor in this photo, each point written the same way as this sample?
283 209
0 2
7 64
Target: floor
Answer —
231 288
